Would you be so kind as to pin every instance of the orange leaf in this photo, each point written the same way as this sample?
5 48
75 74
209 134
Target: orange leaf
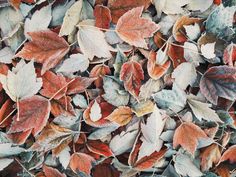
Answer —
187 135
176 54
99 147
119 7
19 138
209 156
156 71
52 172
15 3
132 28
51 84
5 111
132 74
33 115
46 47
178 28
122 115
230 55
223 170
102 16
229 154
81 162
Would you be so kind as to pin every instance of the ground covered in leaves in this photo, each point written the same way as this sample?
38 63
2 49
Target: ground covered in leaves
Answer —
117 88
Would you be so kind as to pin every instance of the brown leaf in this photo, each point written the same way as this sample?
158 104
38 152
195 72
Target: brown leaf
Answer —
209 156
102 16
176 54
52 172
51 84
33 115
119 7
99 147
156 71
223 170
46 47
132 28
132 74
122 115
105 170
81 162
187 135
229 154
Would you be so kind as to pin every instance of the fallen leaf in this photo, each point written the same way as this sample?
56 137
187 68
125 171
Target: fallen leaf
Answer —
99 71
229 55
46 47
4 163
102 16
122 115
21 82
132 74
52 172
120 7
33 115
95 112
188 135
132 28
6 55
92 41
99 147
81 162
229 155
219 81
208 50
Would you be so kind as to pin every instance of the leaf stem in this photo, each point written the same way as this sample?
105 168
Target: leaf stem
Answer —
7 116
18 110
103 29
24 167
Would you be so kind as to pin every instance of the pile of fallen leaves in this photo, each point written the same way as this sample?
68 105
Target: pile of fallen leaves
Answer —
117 88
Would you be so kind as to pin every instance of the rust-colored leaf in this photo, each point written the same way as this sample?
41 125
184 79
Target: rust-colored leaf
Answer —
132 74
52 172
187 135
99 147
33 115
46 47
119 7
102 16
156 71
229 154
81 162
133 29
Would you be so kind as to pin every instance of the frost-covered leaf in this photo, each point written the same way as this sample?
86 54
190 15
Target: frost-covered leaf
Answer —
76 62
6 55
22 81
208 50
192 31
191 54
4 163
114 94
95 112
64 157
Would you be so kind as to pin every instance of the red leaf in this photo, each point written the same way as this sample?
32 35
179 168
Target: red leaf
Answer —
119 7
46 47
176 54
230 55
62 106
133 29
19 138
52 172
219 81
132 74
105 170
102 16
99 147
229 154
156 71
33 115
51 84
80 162
5 111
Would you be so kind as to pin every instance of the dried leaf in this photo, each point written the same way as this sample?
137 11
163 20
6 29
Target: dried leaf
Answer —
102 16
229 154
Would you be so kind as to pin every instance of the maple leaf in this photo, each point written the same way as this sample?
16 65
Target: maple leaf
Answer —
133 29
187 135
132 74
229 154
21 82
102 16
81 162
119 7
122 115
46 47
33 113
219 81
